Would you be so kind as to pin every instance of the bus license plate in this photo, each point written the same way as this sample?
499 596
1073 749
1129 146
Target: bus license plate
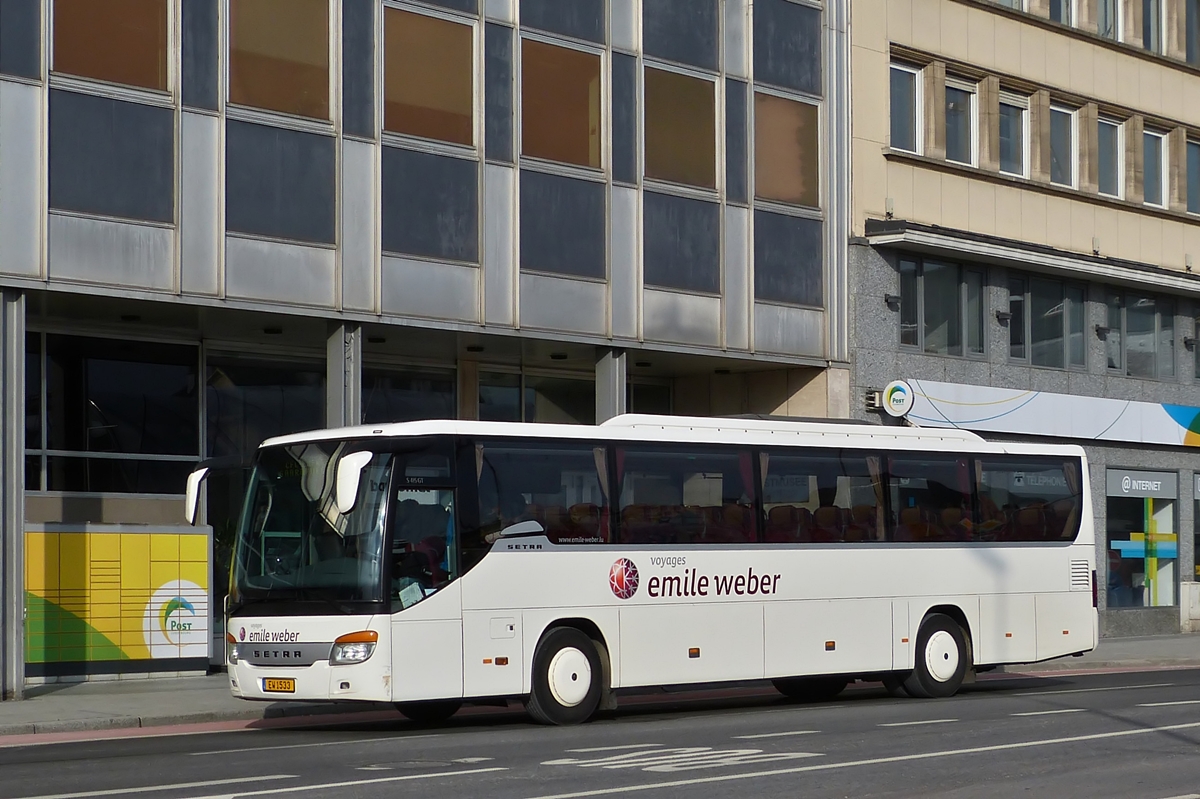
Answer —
279 685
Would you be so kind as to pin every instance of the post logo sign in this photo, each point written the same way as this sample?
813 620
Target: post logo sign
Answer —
898 398
623 578
175 622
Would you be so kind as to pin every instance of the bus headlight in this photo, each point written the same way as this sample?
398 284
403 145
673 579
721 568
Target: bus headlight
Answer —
353 648
231 653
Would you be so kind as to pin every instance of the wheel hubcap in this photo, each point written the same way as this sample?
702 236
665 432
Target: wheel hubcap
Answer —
570 676
941 656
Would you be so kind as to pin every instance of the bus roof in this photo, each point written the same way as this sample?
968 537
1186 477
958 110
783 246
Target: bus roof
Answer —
695 429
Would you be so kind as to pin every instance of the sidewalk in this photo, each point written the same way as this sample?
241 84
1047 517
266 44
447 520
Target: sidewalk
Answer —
118 704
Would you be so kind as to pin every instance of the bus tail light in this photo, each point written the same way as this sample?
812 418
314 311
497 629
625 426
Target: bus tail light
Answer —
231 653
353 648
1095 595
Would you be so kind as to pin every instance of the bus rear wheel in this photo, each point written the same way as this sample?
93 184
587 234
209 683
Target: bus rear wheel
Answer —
942 659
567 678
810 689
431 712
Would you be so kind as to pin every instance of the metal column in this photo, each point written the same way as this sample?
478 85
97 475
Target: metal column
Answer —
343 375
611 377
12 494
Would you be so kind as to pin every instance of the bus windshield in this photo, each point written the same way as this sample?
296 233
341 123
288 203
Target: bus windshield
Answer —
293 544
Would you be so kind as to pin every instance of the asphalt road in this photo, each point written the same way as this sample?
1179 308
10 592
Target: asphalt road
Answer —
1110 735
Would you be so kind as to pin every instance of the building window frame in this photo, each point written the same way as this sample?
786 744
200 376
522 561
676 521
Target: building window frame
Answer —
972 92
918 126
1192 173
1022 104
1117 326
1020 322
913 308
1116 32
1161 168
1158 32
771 203
718 86
1066 9
1120 156
415 142
1073 145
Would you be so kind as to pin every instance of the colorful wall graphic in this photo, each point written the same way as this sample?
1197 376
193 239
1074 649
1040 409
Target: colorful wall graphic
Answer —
1039 413
116 598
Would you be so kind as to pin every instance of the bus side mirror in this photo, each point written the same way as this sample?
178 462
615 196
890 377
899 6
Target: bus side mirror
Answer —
192 498
349 469
528 527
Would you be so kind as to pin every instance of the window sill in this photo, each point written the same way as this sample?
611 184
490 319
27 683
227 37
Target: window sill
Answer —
1029 184
974 358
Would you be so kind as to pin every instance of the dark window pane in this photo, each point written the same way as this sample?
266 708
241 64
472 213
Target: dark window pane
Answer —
428 77
581 19
1060 11
560 400
735 141
681 496
1047 323
112 476
249 401
959 119
358 67
787 45
943 309
1140 315
500 397
201 46
498 92
1108 149
1062 147
119 41
930 498
430 205
1152 25
1031 499
107 395
33 391
279 182
823 497
680 128
1016 324
910 305
1193 177
1115 318
279 55
560 104
649 398
1012 139
562 225
904 109
786 150
788 266
558 484
974 311
1106 18
1196 370
404 395
111 157
1076 322
1192 30
33 473
681 30
1152 159
1166 339
681 243
21 38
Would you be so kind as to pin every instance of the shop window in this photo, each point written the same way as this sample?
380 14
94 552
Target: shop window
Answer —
428 77
33 410
960 122
1047 322
1140 335
1062 146
906 108
941 308
675 495
786 150
1110 144
279 56
1014 134
405 395
1142 552
118 41
560 104
823 497
248 401
681 144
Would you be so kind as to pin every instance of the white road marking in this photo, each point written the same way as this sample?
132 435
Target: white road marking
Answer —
1185 796
374 768
687 758
472 760
1051 712
318 743
612 748
153 788
1094 690
872 762
916 723
1169 704
775 734
350 783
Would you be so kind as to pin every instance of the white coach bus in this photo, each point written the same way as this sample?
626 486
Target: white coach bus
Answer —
428 563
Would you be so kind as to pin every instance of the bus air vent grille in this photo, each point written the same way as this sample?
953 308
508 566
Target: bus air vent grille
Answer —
1081 576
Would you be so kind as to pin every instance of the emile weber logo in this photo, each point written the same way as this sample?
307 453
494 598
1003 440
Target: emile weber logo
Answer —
682 581
1129 484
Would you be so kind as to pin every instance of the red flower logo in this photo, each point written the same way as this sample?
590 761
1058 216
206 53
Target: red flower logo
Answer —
623 578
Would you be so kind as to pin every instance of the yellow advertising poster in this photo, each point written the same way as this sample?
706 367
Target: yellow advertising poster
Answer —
105 595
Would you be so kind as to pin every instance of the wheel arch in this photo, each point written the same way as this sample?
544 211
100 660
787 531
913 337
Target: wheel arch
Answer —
592 630
960 618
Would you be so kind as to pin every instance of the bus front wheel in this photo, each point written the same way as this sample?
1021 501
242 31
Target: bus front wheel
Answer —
941 661
567 678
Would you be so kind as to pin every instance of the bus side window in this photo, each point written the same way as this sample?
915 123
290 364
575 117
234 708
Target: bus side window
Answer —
822 497
1028 499
930 498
